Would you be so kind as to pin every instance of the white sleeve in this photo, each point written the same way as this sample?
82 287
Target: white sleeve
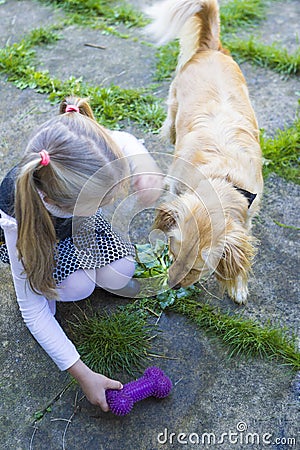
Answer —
138 155
35 308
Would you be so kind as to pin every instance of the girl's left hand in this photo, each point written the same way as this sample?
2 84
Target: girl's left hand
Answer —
149 187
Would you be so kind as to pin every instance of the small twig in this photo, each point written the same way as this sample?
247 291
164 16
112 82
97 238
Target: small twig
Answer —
60 419
32 437
153 355
178 381
159 317
152 312
95 46
76 408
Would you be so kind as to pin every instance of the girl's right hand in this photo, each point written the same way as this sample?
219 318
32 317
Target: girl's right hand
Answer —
93 384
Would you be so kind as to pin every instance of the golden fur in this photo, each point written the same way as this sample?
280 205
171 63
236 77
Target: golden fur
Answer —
213 127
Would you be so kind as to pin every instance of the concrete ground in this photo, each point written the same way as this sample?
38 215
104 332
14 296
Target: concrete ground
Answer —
215 399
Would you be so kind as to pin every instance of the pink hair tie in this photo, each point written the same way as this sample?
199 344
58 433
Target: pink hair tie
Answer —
70 108
45 157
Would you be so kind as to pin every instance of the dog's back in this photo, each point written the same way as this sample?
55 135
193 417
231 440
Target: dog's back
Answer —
210 118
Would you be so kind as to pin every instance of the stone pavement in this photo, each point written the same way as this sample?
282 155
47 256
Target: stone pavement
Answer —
212 394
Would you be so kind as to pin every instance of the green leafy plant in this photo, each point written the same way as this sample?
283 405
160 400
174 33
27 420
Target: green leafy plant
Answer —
153 263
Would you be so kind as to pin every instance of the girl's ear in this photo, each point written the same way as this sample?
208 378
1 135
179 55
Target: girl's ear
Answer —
165 218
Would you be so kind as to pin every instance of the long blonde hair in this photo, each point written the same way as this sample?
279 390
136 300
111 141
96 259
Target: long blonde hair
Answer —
79 149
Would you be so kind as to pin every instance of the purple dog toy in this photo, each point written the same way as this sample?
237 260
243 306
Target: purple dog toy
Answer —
153 383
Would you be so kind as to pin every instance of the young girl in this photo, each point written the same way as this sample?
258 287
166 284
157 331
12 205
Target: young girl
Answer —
51 259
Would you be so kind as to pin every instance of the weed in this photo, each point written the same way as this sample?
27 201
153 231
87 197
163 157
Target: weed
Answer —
283 225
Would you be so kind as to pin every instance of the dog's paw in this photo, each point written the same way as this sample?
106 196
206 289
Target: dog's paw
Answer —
239 292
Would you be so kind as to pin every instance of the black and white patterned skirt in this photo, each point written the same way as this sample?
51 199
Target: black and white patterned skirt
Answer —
94 244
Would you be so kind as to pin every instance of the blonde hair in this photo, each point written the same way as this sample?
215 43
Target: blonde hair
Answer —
79 149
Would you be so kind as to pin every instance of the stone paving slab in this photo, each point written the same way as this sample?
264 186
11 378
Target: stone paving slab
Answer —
211 394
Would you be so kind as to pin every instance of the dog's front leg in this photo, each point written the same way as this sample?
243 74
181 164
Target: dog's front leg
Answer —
238 290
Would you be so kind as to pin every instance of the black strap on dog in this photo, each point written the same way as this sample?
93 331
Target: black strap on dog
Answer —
249 196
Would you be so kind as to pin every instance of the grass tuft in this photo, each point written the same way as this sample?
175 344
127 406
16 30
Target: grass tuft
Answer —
281 153
240 13
113 343
93 12
243 337
271 56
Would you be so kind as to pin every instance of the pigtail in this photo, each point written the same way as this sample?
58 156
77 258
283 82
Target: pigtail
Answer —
76 104
36 233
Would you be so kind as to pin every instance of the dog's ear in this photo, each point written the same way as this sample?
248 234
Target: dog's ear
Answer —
165 218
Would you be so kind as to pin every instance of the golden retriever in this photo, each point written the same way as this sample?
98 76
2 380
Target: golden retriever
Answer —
216 178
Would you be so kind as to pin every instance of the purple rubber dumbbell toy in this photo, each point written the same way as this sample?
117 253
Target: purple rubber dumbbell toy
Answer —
154 383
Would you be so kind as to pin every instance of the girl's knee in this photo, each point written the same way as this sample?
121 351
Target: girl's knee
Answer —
117 274
77 286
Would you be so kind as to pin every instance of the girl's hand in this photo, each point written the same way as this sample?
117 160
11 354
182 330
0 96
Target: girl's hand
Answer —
93 384
149 187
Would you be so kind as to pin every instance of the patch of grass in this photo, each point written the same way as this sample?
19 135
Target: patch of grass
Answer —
18 59
281 153
95 12
271 56
166 60
240 13
113 343
111 105
243 337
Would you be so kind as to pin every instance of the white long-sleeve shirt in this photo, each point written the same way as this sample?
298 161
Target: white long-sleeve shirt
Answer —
37 311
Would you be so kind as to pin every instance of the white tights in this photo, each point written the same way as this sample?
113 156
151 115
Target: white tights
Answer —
81 283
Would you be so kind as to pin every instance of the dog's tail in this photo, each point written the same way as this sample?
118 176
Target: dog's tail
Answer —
196 22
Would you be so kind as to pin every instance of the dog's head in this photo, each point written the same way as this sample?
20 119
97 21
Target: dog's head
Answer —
203 238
